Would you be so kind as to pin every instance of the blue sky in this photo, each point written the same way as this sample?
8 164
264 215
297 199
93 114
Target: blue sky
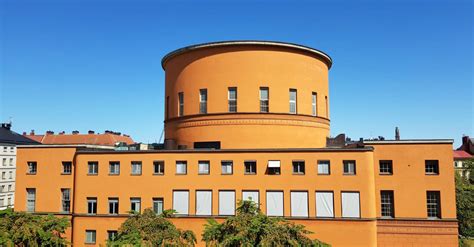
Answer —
80 65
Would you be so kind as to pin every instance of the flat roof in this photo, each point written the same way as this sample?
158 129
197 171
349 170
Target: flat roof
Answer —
412 141
326 58
65 146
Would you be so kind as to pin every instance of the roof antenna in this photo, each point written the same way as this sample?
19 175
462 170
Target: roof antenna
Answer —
397 134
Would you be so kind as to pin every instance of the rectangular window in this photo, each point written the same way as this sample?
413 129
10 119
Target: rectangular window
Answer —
314 109
66 200
432 167
298 167
32 167
12 149
112 235
250 167
4 175
226 167
203 202
203 167
251 196
158 205
273 167
4 162
135 203
30 199
264 99
114 167
136 167
274 203
181 104
299 204
324 167
159 167
2 202
10 187
113 206
90 236
181 201
433 204
386 167
2 188
350 205
293 101
92 205
327 106
11 161
232 99
67 167
387 208
10 175
324 204
92 168
203 101
181 167
349 167
226 202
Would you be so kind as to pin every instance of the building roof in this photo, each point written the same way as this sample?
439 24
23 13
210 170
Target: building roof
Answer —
461 154
410 141
106 139
325 57
11 137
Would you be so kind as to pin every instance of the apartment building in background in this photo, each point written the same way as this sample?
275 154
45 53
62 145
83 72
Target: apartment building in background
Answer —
108 138
250 120
464 153
8 142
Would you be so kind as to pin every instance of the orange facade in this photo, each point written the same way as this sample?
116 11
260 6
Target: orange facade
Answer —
378 193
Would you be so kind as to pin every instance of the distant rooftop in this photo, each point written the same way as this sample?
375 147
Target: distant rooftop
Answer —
108 138
461 154
11 137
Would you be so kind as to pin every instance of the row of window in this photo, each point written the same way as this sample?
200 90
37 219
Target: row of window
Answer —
2 188
264 99
9 162
10 175
11 148
9 202
91 236
273 168
350 203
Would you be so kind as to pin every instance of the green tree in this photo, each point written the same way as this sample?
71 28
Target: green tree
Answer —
25 229
250 227
150 229
465 202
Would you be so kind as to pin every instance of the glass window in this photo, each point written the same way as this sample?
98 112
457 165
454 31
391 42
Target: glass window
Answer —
293 101
251 195
67 167
113 205
112 235
324 167
135 204
90 236
386 167
298 167
250 167
11 161
299 203
203 101
314 109
136 167
4 175
158 167
431 167
203 167
181 201
32 167
350 204
203 202
433 204
324 204
92 167
158 205
226 167
264 99
30 199
349 167
386 200
273 167
226 202
232 99
4 162
181 104
66 200
274 203
114 167
181 167
92 205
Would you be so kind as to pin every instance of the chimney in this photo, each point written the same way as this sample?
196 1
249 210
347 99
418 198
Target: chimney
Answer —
90 132
75 132
24 133
6 126
62 132
397 133
465 140
32 132
49 132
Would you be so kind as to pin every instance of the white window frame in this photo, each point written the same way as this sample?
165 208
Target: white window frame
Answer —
91 236
321 167
113 206
180 104
293 101
232 102
324 204
350 204
274 206
299 204
181 167
252 195
30 199
227 164
136 168
204 202
314 100
181 202
203 101
156 205
227 202
135 202
204 167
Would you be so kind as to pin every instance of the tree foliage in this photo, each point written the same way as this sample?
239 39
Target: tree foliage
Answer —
25 229
465 201
250 227
150 229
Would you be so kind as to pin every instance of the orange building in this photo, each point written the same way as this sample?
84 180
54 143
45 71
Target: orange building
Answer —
250 120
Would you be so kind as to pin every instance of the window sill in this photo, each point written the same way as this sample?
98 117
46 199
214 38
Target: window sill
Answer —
203 173
30 173
250 173
432 174
92 174
324 174
135 174
158 174
227 174
62 173
180 174
385 174
349 174
114 174
298 174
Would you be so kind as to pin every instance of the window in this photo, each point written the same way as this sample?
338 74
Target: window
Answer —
181 201
90 236
112 235
2 202
431 167
386 167
158 205
203 101
10 187
274 203
9 201
181 167
350 205
203 202
349 167
226 202
226 167
251 196
11 161
250 167
324 204
314 110
136 167
273 167
92 205
67 167
114 168
232 99
203 167
4 162
92 168
4 175
12 149
2 188
158 167
181 104
30 199
32 167
324 167
386 206
135 204
264 99
10 175
327 107
293 101
433 204
66 200
298 167
299 203
113 205
5 149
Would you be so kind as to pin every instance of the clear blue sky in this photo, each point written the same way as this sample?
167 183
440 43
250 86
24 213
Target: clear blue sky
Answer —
80 65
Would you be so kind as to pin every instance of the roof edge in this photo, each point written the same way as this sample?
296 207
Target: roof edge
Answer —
412 141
